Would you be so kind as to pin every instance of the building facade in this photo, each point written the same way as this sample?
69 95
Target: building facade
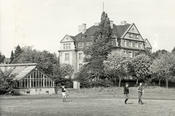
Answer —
126 39
29 80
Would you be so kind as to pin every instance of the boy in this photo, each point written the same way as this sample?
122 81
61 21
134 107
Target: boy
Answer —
63 90
140 92
126 92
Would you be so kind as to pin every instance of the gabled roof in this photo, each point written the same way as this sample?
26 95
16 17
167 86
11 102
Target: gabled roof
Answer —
19 71
88 35
118 30
71 37
148 44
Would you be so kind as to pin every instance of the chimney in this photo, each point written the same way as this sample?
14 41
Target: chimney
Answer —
123 22
111 24
82 28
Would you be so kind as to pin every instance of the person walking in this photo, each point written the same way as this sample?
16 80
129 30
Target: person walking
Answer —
126 92
140 93
64 96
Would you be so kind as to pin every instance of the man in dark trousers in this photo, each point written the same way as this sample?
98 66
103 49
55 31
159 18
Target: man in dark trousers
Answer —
126 92
140 93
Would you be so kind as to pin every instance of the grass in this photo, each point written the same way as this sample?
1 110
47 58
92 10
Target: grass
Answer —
92 102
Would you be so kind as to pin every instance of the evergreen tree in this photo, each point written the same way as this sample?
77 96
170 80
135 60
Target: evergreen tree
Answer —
101 47
11 56
18 51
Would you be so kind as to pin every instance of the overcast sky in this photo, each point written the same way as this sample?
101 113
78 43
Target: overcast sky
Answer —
42 23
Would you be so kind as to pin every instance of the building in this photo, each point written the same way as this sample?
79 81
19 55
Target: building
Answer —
30 80
126 39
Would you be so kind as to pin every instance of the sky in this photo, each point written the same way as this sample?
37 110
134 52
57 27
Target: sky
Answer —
43 23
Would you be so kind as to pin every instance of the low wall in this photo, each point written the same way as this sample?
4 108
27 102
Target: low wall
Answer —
35 91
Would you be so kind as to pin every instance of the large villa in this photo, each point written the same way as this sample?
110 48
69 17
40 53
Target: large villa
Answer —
126 39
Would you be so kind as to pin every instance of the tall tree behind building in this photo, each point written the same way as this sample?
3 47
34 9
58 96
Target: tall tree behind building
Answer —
16 54
100 48
12 56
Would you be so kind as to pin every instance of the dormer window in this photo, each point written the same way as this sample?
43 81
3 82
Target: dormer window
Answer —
80 45
137 36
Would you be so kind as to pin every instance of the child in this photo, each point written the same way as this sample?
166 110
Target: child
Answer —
140 92
126 92
63 90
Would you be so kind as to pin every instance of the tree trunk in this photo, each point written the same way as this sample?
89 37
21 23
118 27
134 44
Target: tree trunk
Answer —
137 81
166 83
115 81
159 82
119 84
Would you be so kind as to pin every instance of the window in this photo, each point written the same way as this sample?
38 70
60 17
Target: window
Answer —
130 54
80 66
137 36
80 45
66 46
66 56
128 43
80 55
139 45
123 42
133 54
133 44
130 35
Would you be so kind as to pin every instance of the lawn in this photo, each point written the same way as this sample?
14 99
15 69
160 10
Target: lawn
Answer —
91 102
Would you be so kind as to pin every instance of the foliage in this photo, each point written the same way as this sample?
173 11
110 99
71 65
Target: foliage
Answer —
100 48
162 66
45 59
117 65
158 53
66 70
2 58
62 75
12 56
141 67
18 52
6 82
173 51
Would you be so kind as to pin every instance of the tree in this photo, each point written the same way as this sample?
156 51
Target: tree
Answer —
44 59
2 58
12 56
162 66
17 53
158 53
117 65
141 67
62 74
173 50
6 81
66 70
100 48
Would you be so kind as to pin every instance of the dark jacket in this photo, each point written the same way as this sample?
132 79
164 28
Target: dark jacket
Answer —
63 89
126 90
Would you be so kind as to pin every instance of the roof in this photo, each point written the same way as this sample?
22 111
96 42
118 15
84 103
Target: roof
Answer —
147 44
19 71
118 30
